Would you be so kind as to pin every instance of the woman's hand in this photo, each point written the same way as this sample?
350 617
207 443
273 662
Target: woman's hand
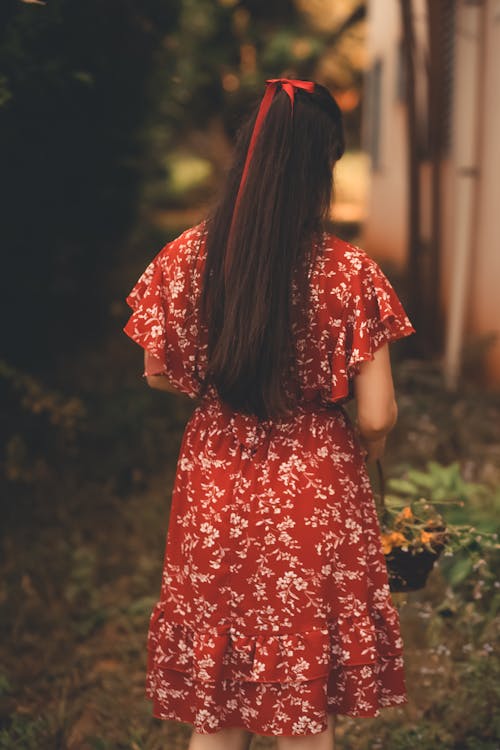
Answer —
373 449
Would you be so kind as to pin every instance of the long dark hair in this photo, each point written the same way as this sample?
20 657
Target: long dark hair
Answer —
282 211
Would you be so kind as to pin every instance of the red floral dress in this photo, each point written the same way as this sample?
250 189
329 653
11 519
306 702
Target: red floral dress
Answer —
275 608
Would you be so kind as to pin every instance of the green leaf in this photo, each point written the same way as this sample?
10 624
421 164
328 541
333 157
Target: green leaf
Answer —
422 479
402 486
459 570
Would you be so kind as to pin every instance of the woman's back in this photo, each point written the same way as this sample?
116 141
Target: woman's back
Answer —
352 310
274 579
275 609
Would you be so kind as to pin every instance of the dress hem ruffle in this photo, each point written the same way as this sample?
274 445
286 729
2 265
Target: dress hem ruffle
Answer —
354 638
233 703
217 677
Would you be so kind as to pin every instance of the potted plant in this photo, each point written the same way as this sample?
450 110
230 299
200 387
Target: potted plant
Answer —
414 533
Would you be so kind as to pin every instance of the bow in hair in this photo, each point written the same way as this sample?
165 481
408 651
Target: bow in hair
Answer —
289 85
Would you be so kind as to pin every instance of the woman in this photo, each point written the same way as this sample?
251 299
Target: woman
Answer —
275 613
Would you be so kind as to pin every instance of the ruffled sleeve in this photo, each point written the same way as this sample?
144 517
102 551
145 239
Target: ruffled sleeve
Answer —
164 319
373 315
147 325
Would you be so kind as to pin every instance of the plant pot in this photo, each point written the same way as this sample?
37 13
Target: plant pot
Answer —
409 569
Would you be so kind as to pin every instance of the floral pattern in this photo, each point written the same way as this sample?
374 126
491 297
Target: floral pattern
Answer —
275 608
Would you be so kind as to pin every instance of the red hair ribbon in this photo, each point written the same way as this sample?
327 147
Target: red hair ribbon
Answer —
289 85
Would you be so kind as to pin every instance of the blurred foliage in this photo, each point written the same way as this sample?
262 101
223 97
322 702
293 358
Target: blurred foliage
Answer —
75 95
92 101
225 50
42 417
440 484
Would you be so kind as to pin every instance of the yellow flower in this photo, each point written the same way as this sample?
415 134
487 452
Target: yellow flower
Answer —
394 539
398 539
425 537
386 545
405 514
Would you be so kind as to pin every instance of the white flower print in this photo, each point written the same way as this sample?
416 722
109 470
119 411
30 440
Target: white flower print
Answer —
274 607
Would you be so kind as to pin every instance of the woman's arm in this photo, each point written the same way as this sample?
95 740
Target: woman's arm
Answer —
376 406
161 383
158 381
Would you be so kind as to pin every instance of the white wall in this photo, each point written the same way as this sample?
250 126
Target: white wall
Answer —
485 272
384 232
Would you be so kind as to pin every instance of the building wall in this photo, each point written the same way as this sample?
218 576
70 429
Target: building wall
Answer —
485 272
384 233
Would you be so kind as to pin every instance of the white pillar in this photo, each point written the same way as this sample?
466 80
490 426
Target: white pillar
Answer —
465 121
